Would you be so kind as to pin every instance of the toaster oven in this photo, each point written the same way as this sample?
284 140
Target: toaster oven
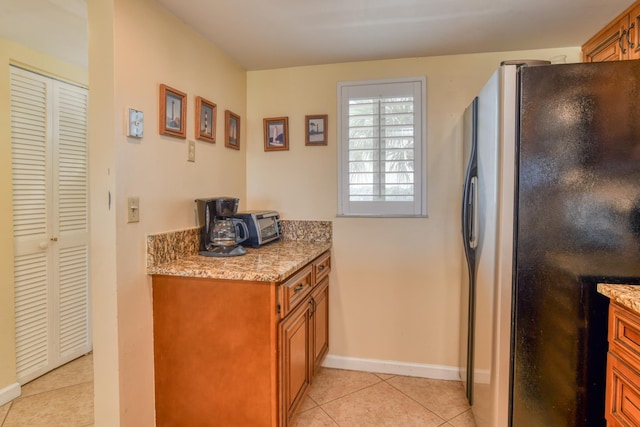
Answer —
262 227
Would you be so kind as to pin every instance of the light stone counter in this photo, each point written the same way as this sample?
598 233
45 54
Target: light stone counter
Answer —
626 295
176 254
273 262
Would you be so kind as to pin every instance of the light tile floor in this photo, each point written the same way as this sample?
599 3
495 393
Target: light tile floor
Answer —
61 398
64 398
350 398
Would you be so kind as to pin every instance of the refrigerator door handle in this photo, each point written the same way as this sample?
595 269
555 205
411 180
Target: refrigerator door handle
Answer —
473 226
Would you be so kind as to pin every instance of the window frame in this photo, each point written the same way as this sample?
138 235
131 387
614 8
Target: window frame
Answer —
385 209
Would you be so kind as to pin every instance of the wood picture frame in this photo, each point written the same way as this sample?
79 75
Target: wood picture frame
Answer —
276 134
231 130
206 114
173 112
316 129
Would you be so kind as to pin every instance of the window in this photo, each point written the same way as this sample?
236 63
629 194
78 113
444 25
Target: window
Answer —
382 148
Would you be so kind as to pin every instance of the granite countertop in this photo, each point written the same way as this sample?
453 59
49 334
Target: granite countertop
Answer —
273 262
626 295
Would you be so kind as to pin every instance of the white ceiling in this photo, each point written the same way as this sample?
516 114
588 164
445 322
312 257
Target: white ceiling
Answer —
262 34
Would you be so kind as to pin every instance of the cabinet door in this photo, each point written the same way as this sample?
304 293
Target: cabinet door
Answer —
610 44
634 33
295 339
622 395
320 322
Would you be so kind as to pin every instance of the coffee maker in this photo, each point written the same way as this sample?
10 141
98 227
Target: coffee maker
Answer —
220 234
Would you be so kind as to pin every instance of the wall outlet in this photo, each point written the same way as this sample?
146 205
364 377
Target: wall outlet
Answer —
133 209
192 151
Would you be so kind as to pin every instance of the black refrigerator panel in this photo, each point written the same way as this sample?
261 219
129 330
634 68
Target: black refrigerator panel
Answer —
469 238
577 224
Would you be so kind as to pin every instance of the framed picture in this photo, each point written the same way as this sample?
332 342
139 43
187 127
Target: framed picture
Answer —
276 134
173 111
206 112
316 127
231 130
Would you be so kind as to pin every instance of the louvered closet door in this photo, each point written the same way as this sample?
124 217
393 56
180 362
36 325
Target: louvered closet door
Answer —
50 214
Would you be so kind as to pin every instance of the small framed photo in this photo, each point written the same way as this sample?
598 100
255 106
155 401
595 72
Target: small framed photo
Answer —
316 133
231 130
276 134
173 112
206 112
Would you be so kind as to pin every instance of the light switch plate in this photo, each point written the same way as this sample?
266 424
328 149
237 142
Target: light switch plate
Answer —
192 151
133 209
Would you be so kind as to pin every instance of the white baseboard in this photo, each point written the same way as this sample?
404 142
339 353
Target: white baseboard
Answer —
439 372
9 393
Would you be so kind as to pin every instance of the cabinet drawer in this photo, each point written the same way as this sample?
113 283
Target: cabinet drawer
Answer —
624 335
623 395
294 290
321 267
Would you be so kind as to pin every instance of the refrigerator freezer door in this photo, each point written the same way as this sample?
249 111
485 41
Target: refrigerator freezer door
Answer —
496 148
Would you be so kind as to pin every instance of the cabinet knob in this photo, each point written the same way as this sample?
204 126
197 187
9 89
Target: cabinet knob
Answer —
43 244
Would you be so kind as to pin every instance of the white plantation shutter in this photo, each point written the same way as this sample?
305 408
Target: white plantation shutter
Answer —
50 213
382 153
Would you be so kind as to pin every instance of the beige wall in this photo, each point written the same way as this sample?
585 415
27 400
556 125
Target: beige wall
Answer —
135 46
406 311
395 282
12 53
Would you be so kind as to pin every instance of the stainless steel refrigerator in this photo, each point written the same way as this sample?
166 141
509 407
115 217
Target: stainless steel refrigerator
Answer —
551 207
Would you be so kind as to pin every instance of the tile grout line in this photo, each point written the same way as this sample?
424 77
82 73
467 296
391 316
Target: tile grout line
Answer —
341 397
445 421
49 391
7 414
350 393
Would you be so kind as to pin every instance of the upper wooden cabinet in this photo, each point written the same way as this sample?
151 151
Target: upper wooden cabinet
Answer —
618 41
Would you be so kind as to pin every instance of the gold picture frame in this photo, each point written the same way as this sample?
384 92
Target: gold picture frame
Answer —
276 134
231 130
316 129
206 114
173 112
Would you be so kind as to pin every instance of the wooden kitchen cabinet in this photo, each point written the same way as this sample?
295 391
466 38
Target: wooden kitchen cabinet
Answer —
320 323
620 40
622 405
304 336
296 358
238 352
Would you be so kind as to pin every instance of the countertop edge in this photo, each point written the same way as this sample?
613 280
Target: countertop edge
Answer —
627 296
